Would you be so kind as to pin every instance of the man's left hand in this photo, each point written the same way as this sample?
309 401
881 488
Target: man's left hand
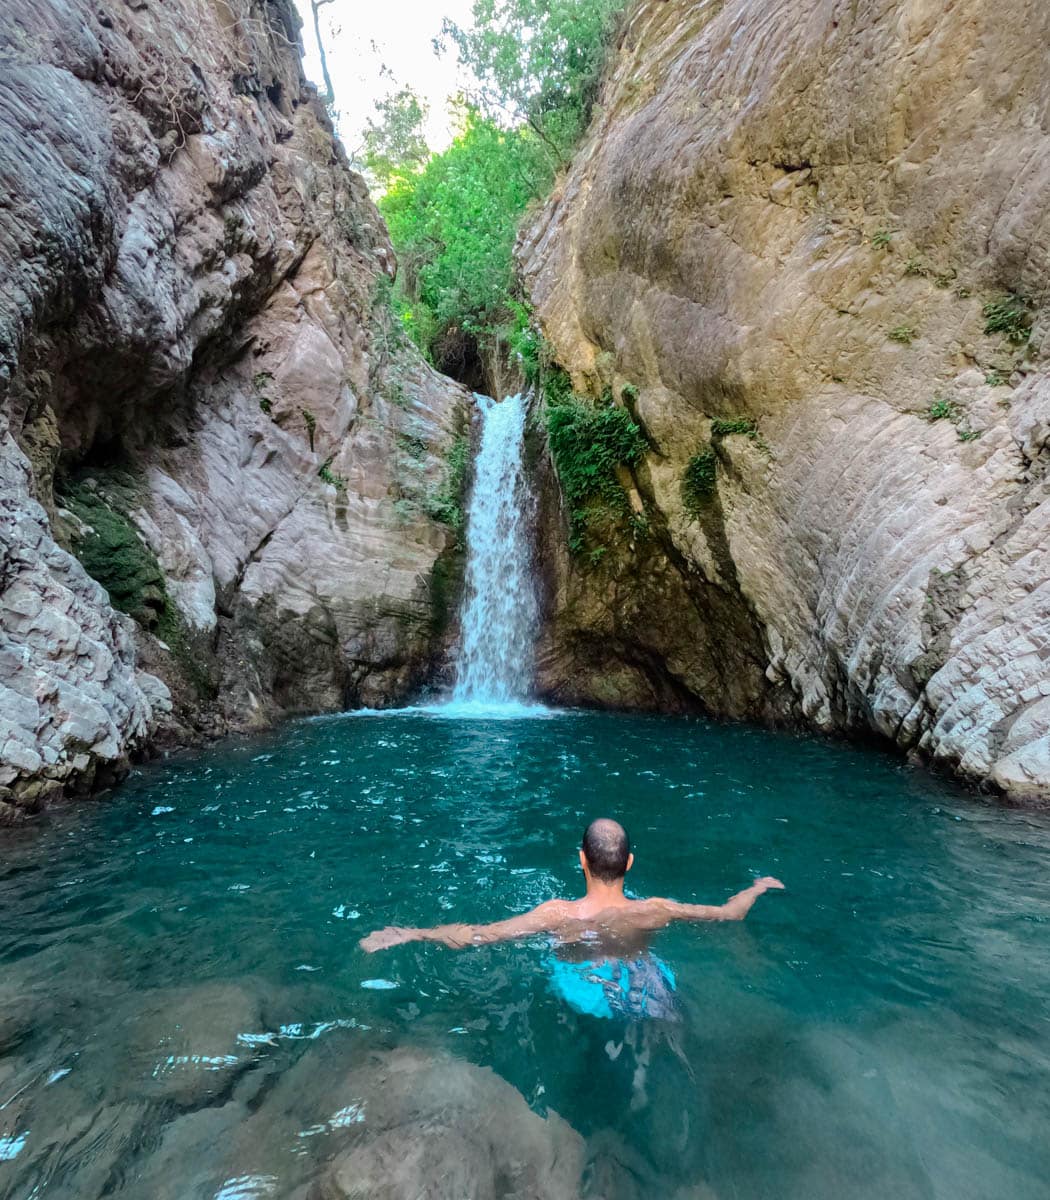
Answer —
383 939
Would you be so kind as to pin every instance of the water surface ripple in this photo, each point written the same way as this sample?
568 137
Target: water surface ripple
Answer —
184 1011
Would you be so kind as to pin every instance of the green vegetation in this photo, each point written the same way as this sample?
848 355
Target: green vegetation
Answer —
112 550
557 386
446 504
261 381
453 226
327 475
742 426
588 446
629 394
444 584
942 410
947 410
538 63
1009 316
722 427
394 144
915 266
386 323
701 472
882 238
393 389
905 334
453 217
413 445
996 378
698 481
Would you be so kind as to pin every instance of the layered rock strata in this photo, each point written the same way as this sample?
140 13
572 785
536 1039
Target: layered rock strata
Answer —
816 240
203 394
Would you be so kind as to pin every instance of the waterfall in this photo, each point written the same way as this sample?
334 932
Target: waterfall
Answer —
499 608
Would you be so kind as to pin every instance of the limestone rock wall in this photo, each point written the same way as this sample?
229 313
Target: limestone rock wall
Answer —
793 219
203 393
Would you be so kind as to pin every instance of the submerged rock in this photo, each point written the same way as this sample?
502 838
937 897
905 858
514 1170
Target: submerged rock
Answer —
810 255
344 1121
438 1127
187 1046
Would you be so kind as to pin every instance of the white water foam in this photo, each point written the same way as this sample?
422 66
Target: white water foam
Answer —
450 710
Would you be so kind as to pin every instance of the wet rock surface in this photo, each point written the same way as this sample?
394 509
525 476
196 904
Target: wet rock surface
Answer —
819 248
437 1126
346 1118
204 394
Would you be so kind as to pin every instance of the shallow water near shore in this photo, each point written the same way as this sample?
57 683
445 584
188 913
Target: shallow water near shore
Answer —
184 1010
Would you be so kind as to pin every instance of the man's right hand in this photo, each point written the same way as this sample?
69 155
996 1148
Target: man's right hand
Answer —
767 883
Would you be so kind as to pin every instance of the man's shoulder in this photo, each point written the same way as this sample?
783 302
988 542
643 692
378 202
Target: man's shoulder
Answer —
652 903
654 910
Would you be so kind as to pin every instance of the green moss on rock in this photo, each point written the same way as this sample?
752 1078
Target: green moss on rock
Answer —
446 503
112 550
699 480
587 446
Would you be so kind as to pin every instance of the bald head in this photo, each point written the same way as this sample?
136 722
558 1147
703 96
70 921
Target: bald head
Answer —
607 848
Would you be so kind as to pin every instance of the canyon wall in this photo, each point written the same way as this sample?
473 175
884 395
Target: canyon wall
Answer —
812 242
205 398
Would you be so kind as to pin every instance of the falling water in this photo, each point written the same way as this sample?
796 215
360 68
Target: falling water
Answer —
499 610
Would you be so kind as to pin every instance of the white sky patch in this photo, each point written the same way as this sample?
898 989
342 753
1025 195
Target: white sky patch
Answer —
360 39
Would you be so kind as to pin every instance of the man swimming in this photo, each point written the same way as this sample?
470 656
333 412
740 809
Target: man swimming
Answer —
603 918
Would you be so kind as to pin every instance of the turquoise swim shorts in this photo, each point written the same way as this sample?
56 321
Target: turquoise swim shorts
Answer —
640 987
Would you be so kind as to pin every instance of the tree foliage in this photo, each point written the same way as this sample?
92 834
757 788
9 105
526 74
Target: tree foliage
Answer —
454 225
453 219
537 62
394 143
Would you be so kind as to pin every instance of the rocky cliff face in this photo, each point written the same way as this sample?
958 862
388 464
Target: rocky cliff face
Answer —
816 239
204 398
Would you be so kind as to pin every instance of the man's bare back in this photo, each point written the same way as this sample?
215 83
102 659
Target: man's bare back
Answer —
604 915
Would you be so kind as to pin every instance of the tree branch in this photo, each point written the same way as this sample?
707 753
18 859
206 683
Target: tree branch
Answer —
329 90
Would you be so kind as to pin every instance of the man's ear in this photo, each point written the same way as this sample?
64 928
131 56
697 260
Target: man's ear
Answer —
630 863
583 862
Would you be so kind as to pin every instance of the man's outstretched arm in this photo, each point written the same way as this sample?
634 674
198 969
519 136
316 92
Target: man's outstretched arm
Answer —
735 908
540 920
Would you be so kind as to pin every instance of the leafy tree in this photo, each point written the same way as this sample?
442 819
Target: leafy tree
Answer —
395 144
453 220
454 226
537 62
